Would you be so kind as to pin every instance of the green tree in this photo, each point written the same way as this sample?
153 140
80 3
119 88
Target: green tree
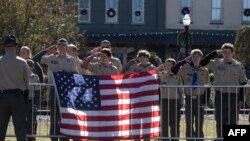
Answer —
38 23
242 42
155 59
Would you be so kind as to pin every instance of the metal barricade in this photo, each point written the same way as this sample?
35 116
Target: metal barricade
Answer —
199 113
177 112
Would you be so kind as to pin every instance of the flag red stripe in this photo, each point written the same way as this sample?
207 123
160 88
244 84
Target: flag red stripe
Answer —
127 76
111 128
129 95
110 118
129 85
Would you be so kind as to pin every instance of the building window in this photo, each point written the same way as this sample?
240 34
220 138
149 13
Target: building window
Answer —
216 11
111 11
185 8
246 11
84 11
137 11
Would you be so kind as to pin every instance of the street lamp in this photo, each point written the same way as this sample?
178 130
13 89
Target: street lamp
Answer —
186 22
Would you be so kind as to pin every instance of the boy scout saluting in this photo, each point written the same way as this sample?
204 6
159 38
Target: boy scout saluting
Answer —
142 66
192 73
170 100
73 51
56 63
14 74
106 44
227 71
102 67
139 64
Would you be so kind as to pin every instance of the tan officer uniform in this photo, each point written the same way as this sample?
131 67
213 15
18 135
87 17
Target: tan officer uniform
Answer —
227 74
99 69
15 77
56 63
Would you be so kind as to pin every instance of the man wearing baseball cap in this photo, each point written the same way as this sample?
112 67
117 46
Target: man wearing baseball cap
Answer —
60 61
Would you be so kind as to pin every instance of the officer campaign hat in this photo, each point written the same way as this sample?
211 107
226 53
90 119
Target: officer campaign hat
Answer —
10 40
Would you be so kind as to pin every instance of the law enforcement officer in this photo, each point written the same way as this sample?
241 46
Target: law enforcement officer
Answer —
33 101
102 67
139 64
227 71
115 61
192 73
14 74
57 62
170 101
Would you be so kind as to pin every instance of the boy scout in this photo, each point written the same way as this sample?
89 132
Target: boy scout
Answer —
170 100
14 74
56 63
73 51
139 64
227 71
102 67
106 44
193 74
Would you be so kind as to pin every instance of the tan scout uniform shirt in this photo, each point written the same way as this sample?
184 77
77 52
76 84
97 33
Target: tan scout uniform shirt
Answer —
33 79
186 73
227 74
169 79
14 72
79 69
99 69
115 61
140 68
56 64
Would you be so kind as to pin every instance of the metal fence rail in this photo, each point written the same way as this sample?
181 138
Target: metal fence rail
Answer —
183 107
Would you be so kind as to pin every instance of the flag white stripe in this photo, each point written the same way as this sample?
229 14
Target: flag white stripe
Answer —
110 123
110 133
129 80
111 112
129 90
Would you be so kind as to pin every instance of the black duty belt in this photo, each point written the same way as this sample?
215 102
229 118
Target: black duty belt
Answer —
11 91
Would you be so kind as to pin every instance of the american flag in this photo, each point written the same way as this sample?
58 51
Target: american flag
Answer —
109 107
